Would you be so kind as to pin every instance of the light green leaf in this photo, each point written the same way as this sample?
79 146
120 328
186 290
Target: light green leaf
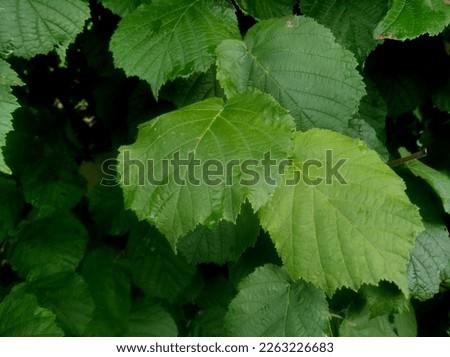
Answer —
11 205
110 288
8 104
352 21
155 269
31 27
438 180
122 7
22 316
430 259
172 38
198 87
222 244
269 303
359 323
48 245
408 19
66 295
148 319
230 139
297 61
341 218
266 9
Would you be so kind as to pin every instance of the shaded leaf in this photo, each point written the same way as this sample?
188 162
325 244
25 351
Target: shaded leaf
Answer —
11 205
225 243
48 245
22 316
195 88
359 323
438 180
148 319
155 268
68 297
269 303
110 288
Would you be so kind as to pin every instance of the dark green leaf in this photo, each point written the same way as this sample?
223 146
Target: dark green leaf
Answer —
148 319
155 268
48 245
68 297
222 244
269 303
22 316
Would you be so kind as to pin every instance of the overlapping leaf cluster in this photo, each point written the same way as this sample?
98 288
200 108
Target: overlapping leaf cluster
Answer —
98 248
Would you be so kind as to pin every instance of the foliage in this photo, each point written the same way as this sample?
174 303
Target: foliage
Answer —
223 168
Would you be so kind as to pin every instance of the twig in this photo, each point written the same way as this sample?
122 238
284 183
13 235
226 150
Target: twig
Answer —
415 156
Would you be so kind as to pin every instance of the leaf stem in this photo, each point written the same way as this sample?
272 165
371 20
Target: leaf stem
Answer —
415 156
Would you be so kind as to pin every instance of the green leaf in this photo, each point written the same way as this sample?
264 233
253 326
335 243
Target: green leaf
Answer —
8 104
22 316
148 319
155 269
262 253
341 217
171 38
48 245
269 303
373 110
122 7
441 98
360 129
438 180
430 259
31 27
352 21
408 19
107 209
198 87
222 244
266 9
299 63
110 288
208 323
182 148
11 205
384 299
359 323
68 297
